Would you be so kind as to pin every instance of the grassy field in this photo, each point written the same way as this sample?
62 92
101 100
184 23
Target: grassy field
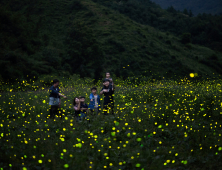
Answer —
158 125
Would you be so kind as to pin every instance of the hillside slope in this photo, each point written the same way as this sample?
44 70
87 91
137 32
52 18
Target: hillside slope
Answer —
82 37
196 6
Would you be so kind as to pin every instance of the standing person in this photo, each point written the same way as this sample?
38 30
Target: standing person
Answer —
54 98
110 79
94 104
107 90
113 88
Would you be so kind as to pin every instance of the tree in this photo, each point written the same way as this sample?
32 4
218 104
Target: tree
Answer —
83 51
186 38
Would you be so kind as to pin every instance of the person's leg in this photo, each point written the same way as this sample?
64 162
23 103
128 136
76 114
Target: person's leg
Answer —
54 110
82 117
109 108
50 112
105 109
97 111
92 111
112 105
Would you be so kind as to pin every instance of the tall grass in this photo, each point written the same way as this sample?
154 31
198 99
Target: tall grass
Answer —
159 125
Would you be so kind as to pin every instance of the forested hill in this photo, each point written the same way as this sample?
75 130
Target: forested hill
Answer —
196 6
68 37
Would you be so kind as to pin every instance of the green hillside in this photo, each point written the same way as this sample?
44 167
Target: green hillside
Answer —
197 6
205 29
84 37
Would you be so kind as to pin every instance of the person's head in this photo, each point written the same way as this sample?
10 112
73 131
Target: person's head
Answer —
55 82
82 99
106 82
75 101
94 90
107 74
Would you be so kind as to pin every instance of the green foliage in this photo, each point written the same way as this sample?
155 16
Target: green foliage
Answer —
186 38
148 13
160 125
88 38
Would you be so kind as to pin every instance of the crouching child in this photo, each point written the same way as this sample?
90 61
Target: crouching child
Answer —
80 107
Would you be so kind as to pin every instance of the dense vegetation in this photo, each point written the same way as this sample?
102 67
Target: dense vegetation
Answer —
66 37
204 29
196 6
174 125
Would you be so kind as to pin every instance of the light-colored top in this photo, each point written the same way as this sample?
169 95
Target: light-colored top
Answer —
96 103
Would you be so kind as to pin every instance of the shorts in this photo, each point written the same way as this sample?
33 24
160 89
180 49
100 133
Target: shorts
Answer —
53 101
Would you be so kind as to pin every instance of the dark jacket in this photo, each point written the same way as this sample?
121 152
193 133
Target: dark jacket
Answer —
54 92
108 98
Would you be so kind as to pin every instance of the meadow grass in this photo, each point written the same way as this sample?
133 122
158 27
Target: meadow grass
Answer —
159 125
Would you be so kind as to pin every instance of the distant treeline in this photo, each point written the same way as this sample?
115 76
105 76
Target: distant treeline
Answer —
43 37
204 29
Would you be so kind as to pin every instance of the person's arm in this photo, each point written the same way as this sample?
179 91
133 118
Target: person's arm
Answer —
83 108
101 92
91 97
62 95
77 107
53 91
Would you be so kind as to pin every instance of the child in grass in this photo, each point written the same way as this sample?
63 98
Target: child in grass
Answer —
76 106
80 107
83 107
94 104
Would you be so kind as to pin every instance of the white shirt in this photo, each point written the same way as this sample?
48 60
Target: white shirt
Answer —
96 104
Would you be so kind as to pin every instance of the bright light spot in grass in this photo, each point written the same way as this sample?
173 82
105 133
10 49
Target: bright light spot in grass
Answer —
40 161
191 74
138 165
138 139
66 165
113 133
160 126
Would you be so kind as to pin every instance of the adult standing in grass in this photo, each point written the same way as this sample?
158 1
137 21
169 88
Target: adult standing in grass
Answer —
113 88
110 79
54 98
107 90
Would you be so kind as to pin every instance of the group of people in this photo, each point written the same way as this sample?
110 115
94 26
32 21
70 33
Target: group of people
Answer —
81 109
